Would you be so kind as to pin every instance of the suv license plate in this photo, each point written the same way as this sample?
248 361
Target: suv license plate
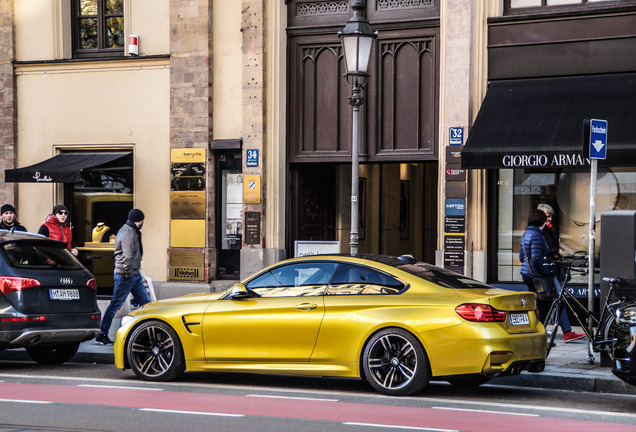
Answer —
64 294
519 319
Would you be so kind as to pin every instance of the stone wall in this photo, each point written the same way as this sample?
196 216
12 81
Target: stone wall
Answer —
8 121
191 95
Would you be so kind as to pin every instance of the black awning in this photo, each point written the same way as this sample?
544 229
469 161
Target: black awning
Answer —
67 167
538 123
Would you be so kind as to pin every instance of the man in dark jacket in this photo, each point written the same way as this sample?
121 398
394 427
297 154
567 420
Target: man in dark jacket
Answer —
128 253
9 222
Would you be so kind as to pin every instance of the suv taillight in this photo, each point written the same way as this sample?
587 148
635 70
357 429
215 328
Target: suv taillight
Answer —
92 284
13 284
477 312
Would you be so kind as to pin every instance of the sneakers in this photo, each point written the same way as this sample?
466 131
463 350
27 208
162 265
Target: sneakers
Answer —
567 336
103 339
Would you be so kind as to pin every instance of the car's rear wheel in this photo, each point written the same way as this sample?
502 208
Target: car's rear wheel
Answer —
395 363
53 354
155 352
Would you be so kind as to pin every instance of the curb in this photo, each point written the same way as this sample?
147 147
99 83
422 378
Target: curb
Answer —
572 381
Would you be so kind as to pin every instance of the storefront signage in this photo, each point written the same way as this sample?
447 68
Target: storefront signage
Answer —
453 155
454 242
456 136
543 160
454 260
187 265
251 189
309 247
252 228
455 172
187 205
251 158
454 224
455 207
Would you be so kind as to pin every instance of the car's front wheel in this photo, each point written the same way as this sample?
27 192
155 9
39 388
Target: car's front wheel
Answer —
395 363
155 352
53 354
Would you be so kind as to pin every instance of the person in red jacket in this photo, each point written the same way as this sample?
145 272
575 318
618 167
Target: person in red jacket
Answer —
56 227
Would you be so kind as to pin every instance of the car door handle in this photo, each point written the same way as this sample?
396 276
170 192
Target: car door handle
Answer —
306 306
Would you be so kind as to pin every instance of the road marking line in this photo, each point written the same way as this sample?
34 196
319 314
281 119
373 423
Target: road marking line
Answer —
292 397
485 411
399 427
25 401
167 411
532 407
119 387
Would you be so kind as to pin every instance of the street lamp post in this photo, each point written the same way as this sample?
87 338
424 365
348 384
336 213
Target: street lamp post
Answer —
357 40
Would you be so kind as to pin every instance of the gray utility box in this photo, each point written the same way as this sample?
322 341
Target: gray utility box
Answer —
618 250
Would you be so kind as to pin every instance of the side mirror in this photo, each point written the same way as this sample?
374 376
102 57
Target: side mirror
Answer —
238 291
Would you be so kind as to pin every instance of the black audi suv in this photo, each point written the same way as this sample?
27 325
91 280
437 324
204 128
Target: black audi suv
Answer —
48 299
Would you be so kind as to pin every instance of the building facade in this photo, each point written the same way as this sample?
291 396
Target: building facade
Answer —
228 124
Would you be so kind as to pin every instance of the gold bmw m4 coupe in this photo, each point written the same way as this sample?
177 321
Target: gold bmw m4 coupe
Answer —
392 321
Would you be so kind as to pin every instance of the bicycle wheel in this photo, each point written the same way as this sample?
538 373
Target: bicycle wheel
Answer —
605 336
551 325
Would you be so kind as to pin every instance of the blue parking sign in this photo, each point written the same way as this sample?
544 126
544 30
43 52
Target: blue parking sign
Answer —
598 139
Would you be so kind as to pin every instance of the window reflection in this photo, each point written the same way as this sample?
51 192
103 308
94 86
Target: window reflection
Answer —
567 191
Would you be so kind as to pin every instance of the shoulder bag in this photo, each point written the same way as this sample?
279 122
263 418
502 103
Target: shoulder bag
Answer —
543 285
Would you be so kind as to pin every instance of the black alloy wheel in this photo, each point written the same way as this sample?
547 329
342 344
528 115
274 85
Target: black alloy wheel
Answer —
155 352
395 363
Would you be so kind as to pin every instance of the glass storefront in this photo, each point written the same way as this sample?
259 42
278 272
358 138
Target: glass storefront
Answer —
568 192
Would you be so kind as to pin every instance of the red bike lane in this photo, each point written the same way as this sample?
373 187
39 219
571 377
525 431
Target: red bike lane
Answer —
281 407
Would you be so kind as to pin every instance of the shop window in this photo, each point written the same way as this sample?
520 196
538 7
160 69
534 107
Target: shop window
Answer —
516 6
98 28
100 204
567 191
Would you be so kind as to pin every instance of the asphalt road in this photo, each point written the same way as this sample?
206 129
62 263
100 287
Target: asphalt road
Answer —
99 397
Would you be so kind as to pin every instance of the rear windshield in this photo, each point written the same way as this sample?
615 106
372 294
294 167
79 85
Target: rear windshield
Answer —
31 255
443 277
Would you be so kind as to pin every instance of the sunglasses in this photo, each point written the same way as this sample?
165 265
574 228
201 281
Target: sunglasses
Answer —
63 212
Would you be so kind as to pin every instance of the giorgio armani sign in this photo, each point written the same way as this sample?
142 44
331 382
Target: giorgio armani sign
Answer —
543 160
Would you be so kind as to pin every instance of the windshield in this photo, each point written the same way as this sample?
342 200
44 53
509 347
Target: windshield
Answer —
443 277
33 255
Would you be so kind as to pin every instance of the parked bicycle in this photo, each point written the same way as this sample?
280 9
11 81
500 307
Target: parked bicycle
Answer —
603 328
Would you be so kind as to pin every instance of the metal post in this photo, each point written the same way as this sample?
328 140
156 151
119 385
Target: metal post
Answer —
355 100
592 238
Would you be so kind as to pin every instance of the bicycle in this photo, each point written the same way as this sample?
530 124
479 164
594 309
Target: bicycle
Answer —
601 339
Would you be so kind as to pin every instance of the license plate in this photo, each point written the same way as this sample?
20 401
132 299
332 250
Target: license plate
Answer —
519 319
64 294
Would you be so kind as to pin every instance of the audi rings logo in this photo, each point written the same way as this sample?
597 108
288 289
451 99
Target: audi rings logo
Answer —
66 281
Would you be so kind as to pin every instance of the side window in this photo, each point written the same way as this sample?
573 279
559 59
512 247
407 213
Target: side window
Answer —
294 280
352 279
98 28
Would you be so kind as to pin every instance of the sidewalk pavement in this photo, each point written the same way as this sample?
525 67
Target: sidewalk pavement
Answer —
566 368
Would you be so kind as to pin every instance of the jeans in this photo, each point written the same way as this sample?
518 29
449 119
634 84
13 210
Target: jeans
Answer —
123 287
564 321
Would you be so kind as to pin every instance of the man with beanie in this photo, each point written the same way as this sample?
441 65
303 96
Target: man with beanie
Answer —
56 227
9 222
128 279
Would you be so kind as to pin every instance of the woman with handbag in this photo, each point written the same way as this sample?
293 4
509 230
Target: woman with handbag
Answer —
535 269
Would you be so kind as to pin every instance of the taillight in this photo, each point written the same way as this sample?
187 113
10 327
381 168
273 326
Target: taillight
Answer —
92 284
478 312
13 284
24 319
